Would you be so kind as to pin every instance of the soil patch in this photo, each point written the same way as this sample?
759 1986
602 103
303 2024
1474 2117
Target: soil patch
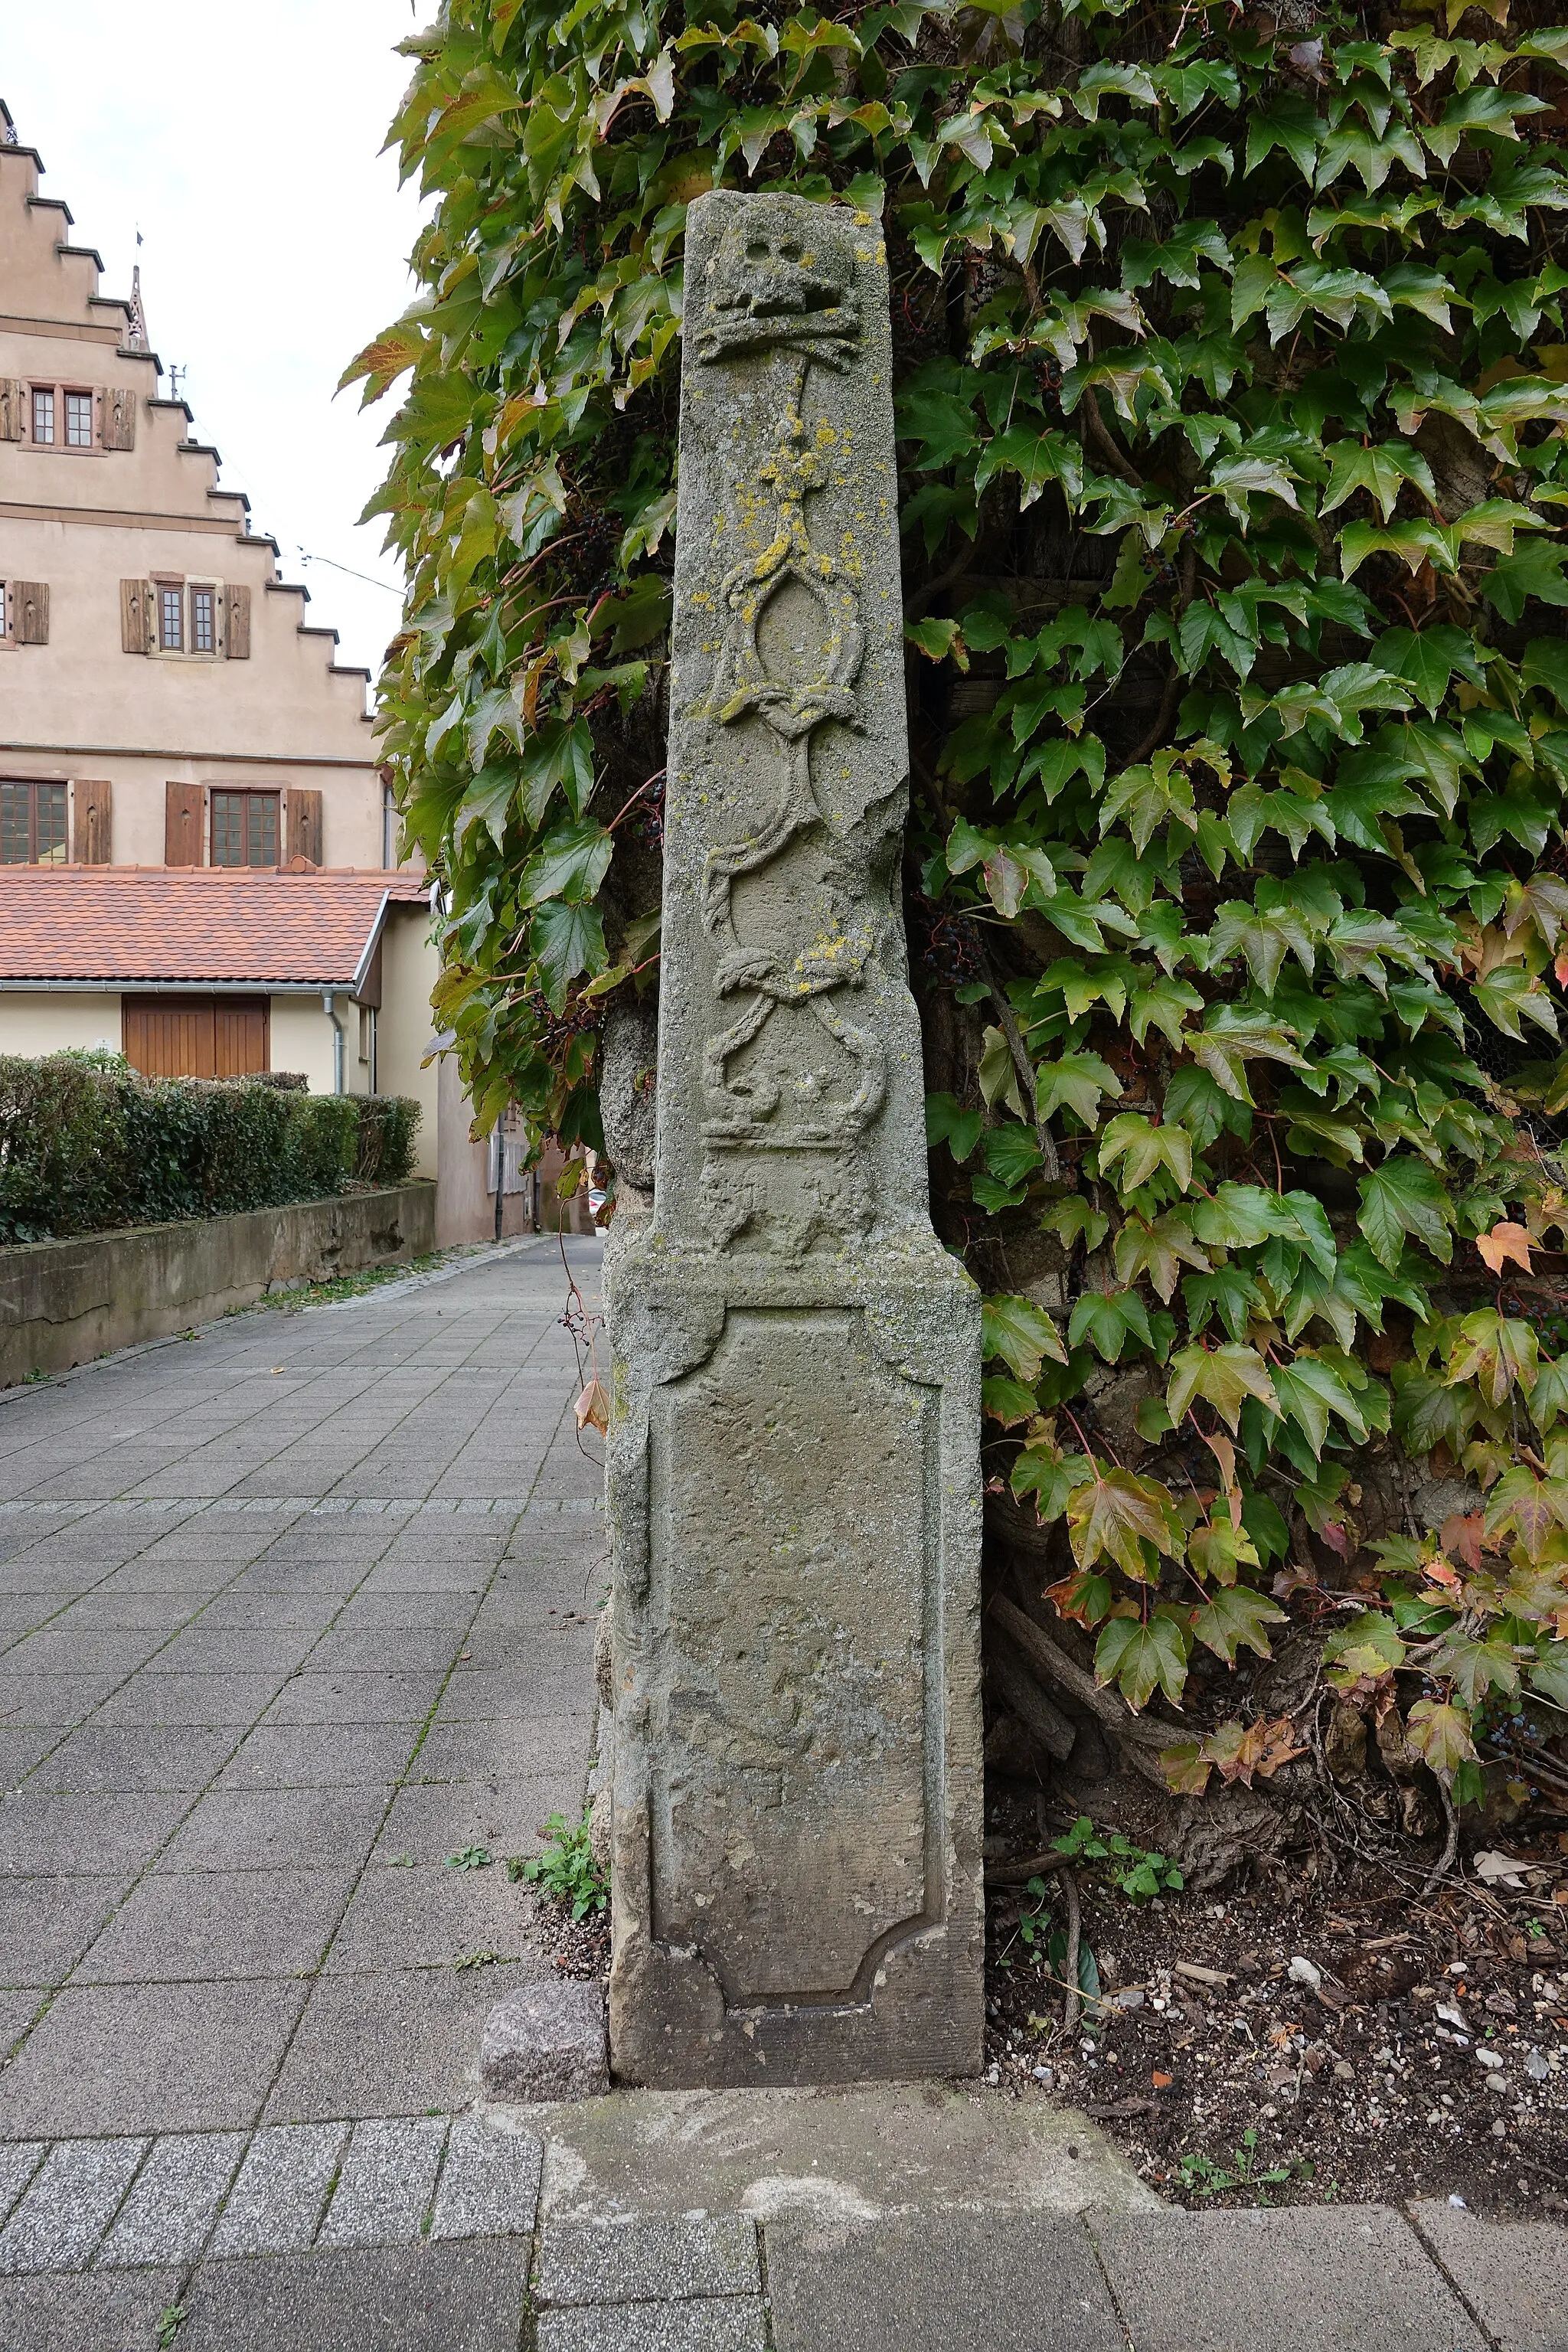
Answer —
1302 2041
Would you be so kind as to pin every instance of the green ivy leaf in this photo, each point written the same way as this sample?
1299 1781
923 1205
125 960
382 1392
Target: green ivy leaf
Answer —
1143 1658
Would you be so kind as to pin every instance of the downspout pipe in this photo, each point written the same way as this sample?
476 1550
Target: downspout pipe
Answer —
331 1009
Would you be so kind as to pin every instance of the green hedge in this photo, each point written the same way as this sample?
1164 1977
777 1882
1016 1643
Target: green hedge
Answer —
87 1143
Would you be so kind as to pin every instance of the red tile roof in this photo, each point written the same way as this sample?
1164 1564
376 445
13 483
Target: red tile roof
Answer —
129 927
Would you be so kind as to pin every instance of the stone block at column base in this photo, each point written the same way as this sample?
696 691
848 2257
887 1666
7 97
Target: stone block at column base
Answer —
545 2042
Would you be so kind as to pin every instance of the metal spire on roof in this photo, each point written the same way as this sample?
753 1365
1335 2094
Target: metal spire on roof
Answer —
137 331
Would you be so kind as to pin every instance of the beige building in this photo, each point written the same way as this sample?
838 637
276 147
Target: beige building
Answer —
197 848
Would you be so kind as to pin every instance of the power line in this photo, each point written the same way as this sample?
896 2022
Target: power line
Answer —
306 558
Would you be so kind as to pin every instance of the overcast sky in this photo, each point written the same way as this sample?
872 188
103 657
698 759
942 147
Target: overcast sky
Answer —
244 143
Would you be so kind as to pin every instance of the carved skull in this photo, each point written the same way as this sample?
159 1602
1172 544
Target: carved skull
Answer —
769 284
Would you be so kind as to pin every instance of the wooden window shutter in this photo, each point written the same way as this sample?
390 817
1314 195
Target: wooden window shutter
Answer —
302 816
31 608
13 409
136 616
238 644
184 806
119 417
92 833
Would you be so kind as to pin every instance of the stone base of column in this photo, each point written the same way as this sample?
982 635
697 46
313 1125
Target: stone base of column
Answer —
797 1894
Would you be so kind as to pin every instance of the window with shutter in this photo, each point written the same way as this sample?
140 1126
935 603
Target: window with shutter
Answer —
119 419
237 641
184 806
33 824
136 616
303 816
244 828
79 420
92 840
30 612
43 415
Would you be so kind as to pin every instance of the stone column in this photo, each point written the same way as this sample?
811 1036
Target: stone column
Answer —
793 1457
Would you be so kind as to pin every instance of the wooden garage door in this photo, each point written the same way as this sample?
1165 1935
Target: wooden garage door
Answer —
197 1036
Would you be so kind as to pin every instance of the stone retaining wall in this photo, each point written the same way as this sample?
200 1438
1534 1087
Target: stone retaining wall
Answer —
64 1302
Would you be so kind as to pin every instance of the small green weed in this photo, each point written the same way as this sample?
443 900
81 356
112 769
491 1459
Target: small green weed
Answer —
1135 1871
1207 2177
566 1869
1045 1941
470 1857
169 2322
477 1960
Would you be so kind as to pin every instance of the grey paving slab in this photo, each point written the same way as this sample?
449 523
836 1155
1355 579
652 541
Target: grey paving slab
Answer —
64 1649
19 2005
202 1699
102 2311
432 1819
1513 2274
731 2324
508 1749
142 1756
20 1751
489 2182
388 2044
204 1649
475 1692
448 2298
68 2204
170 2212
382 1612
245 1606
1311 2279
648 2260
43 1831
399 1650
320 1756
431 1917
939 2282
19 2159
147 2058
386 2185
214 1924
271 1828
342 1697
29 1700
275 2206
47 1922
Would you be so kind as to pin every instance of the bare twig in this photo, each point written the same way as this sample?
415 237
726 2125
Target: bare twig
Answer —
1050 1163
1069 1966
1450 1844
1109 447
1018 1873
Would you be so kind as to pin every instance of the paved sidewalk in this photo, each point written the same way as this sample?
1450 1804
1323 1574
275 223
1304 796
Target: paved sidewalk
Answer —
293 1612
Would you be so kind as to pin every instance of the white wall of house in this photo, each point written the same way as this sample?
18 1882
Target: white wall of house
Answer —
48 1022
409 972
302 1038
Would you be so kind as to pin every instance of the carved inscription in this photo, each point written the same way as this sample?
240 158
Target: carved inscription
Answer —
789 1568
